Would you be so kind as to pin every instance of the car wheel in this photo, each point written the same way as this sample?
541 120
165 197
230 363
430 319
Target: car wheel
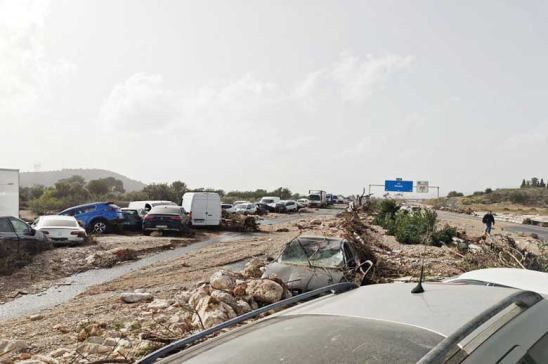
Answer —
147 233
99 227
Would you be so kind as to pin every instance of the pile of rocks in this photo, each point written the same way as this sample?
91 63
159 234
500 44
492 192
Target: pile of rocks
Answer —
229 294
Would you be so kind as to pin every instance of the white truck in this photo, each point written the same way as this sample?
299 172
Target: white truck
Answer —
9 192
318 198
203 208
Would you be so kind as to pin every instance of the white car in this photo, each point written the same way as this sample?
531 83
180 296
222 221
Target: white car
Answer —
290 205
303 202
525 279
382 323
246 208
228 207
60 229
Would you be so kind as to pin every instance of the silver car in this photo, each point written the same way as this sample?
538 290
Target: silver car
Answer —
386 323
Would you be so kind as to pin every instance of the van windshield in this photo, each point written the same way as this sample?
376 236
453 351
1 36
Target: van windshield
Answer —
314 197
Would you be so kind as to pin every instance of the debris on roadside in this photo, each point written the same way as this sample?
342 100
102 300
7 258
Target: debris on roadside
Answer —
239 222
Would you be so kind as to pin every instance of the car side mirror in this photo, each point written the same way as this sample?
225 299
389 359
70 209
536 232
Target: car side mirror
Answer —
31 231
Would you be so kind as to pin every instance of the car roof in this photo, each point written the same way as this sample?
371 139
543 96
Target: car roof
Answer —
87 204
525 279
442 308
57 217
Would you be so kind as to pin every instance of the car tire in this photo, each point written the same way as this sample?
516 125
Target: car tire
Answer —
147 233
98 226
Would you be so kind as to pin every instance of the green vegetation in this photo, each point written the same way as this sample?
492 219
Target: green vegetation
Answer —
75 190
412 227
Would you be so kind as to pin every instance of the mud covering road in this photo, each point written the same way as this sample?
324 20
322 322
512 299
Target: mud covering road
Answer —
51 280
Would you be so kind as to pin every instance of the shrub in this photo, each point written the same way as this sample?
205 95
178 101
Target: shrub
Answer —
386 210
518 197
415 227
445 235
455 194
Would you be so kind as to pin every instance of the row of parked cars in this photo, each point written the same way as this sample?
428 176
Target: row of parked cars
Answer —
265 205
72 225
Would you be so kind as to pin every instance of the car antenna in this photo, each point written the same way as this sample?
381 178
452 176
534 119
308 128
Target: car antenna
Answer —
418 288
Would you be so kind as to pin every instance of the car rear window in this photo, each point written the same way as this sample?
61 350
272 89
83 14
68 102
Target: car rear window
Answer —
59 223
314 339
165 210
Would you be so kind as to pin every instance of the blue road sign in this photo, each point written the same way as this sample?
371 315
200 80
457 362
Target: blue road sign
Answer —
398 186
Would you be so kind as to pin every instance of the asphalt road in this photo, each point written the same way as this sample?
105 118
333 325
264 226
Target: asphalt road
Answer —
542 232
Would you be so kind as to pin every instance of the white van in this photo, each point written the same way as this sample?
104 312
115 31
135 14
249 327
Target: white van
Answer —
203 208
147 205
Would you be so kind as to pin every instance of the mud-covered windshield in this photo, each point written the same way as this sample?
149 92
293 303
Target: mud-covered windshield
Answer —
319 252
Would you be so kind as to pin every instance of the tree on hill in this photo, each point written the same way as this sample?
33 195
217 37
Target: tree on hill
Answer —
523 184
542 184
98 187
455 194
534 182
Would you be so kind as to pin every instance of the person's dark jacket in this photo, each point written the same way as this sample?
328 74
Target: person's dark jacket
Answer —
488 219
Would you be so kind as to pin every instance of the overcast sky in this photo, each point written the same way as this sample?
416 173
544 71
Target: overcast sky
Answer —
260 94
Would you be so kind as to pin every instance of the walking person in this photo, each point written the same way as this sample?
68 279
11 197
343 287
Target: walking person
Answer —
489 221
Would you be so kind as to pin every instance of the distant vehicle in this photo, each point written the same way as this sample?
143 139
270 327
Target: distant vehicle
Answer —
165 218
133 219
16 230
279 207
303 202
525 279
384 323
147 205
311 262
97 217
270 201
290 205
228 207
262 208
246 208
317 198
9 192
60 229
329 199
203 208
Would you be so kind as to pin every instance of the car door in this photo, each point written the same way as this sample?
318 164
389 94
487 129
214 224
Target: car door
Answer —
24 234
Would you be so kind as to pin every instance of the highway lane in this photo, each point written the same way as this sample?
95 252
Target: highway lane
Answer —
542 232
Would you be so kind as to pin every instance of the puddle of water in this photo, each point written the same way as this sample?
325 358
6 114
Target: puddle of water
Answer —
80 282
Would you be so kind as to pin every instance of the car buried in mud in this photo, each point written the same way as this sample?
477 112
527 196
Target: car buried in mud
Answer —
311 262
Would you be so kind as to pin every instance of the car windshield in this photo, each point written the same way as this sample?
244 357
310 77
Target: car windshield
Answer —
59 223
314 339
319 252
165 210
314 197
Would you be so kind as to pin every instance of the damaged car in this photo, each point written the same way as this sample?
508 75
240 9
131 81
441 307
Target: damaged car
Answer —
311 262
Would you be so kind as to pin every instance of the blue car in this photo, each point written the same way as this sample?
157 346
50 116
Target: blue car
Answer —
97 217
